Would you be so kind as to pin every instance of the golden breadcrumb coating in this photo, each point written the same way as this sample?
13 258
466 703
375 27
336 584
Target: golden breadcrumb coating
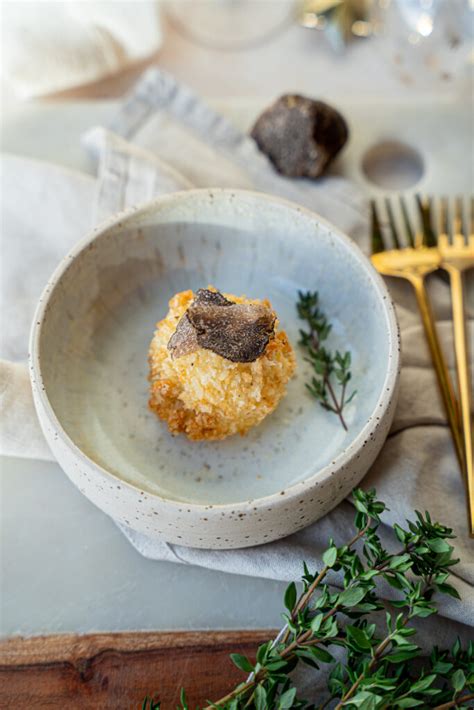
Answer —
206 396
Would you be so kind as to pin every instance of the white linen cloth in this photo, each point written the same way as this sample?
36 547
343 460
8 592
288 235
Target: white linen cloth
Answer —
164 138
53 46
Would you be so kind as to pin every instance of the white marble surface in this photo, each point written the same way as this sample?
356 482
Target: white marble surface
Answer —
417 124
67 568
64 565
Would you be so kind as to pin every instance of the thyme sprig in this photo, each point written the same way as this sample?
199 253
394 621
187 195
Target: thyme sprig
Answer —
376 671
331 370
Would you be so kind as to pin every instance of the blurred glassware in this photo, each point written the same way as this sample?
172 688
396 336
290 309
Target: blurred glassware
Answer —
341 20
428 41
230 25
419 16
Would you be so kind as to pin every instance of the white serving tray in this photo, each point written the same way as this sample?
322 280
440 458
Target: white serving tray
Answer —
65 562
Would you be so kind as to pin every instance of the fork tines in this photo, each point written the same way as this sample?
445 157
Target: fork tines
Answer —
414 221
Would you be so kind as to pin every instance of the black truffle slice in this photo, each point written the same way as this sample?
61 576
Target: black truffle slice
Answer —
184 339
237 332
211 298
300 136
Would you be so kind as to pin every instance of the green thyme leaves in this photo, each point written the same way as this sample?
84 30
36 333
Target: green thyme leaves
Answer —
366 642
332 372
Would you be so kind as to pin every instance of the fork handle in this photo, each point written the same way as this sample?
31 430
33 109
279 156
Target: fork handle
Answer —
460 346
439 362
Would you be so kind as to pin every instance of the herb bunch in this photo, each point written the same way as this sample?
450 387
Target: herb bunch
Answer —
377 670
331 370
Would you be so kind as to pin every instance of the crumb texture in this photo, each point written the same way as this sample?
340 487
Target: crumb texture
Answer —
206 396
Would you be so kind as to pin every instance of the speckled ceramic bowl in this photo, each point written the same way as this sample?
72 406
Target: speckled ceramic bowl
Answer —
89 348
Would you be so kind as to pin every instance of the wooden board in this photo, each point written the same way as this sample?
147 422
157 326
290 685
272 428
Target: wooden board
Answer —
116 671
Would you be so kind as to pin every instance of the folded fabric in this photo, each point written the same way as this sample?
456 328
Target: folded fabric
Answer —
51 46
169 121
32 242
164 139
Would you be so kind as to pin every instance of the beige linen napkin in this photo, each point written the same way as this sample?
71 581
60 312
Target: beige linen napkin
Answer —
164 125
44 211
53 46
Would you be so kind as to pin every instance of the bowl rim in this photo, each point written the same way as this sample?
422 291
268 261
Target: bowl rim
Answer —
388 388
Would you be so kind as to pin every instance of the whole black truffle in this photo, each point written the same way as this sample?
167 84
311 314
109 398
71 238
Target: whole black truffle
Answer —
300 136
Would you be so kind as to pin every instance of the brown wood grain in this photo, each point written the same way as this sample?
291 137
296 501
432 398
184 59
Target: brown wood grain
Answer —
116 671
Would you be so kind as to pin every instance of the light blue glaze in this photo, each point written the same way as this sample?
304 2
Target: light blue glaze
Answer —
101 318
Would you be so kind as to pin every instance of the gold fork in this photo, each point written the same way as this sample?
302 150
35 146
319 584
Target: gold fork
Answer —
414 263
457 255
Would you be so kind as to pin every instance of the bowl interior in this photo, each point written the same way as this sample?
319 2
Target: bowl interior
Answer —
103 308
